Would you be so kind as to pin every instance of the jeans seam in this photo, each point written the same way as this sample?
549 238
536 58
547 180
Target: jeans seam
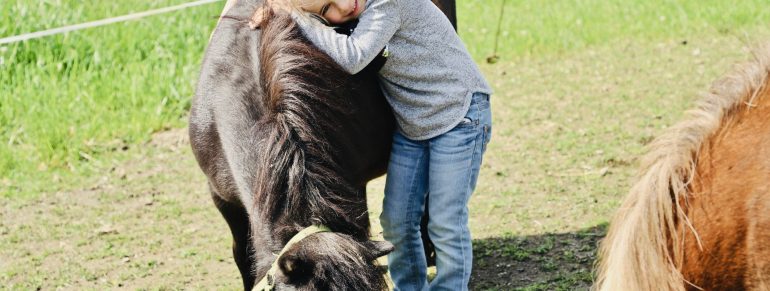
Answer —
410 209
464 226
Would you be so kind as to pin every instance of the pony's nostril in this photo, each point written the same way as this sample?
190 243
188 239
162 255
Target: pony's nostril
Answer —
383 269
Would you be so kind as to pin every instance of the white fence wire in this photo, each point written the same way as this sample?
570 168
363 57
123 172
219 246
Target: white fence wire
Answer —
128 17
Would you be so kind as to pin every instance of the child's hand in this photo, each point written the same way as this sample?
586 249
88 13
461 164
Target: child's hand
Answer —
280 5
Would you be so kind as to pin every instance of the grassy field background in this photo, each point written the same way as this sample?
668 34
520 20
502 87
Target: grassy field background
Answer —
99 188
67 100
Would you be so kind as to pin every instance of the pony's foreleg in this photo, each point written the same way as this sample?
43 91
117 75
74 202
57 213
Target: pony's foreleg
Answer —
238 220
363 219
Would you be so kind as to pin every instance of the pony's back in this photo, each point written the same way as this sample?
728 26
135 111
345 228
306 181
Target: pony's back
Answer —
699 216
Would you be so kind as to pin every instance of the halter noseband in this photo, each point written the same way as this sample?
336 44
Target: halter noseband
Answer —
268 281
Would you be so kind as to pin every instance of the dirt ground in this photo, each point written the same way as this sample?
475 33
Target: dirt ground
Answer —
148 224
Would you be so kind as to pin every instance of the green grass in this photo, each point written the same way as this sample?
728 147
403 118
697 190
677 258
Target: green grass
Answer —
535 28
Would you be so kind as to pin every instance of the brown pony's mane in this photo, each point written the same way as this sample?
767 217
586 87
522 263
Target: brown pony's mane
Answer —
642 250
298 178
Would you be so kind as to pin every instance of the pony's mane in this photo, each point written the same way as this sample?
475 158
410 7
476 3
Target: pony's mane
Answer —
642 250
298 179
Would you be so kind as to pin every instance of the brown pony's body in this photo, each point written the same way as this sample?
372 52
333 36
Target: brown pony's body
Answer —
730 204
288 140
699 216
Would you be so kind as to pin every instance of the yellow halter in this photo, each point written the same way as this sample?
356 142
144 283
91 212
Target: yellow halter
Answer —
268 281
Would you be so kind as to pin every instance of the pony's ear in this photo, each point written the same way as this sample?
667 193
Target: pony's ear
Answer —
380 248
296 268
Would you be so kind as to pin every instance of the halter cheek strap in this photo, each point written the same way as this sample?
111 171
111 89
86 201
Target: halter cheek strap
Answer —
268 281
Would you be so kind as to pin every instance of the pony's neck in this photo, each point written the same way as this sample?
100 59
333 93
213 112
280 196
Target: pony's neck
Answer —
300 183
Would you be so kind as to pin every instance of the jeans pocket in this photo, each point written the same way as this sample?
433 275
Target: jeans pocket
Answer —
468 121
481 100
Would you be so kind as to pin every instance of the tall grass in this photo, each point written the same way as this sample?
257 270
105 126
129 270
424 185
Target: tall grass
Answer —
68 101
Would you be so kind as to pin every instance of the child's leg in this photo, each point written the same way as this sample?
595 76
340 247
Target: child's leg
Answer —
402 210
455 160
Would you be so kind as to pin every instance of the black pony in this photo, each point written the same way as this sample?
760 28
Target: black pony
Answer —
288 140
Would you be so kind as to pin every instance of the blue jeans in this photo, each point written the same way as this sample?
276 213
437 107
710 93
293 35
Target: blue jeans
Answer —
447 167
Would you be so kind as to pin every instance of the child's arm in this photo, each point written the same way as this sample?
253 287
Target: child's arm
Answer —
376 26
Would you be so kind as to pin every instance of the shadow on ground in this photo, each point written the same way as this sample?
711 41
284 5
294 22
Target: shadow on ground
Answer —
560 261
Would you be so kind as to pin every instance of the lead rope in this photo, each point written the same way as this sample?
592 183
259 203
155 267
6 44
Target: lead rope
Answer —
494 57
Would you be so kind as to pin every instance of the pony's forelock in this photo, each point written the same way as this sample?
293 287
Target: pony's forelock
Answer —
340 263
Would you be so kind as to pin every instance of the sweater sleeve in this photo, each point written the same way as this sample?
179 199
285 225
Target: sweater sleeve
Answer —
377 25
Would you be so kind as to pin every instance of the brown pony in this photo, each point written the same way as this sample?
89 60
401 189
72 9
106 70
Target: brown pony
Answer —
288 140
699 216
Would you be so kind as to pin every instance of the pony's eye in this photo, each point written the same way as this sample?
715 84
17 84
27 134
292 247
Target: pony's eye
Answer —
324 9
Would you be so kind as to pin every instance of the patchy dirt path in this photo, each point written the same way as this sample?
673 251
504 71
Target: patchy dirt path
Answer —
144 224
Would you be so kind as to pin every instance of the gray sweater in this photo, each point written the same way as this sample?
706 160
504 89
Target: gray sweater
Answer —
429 77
